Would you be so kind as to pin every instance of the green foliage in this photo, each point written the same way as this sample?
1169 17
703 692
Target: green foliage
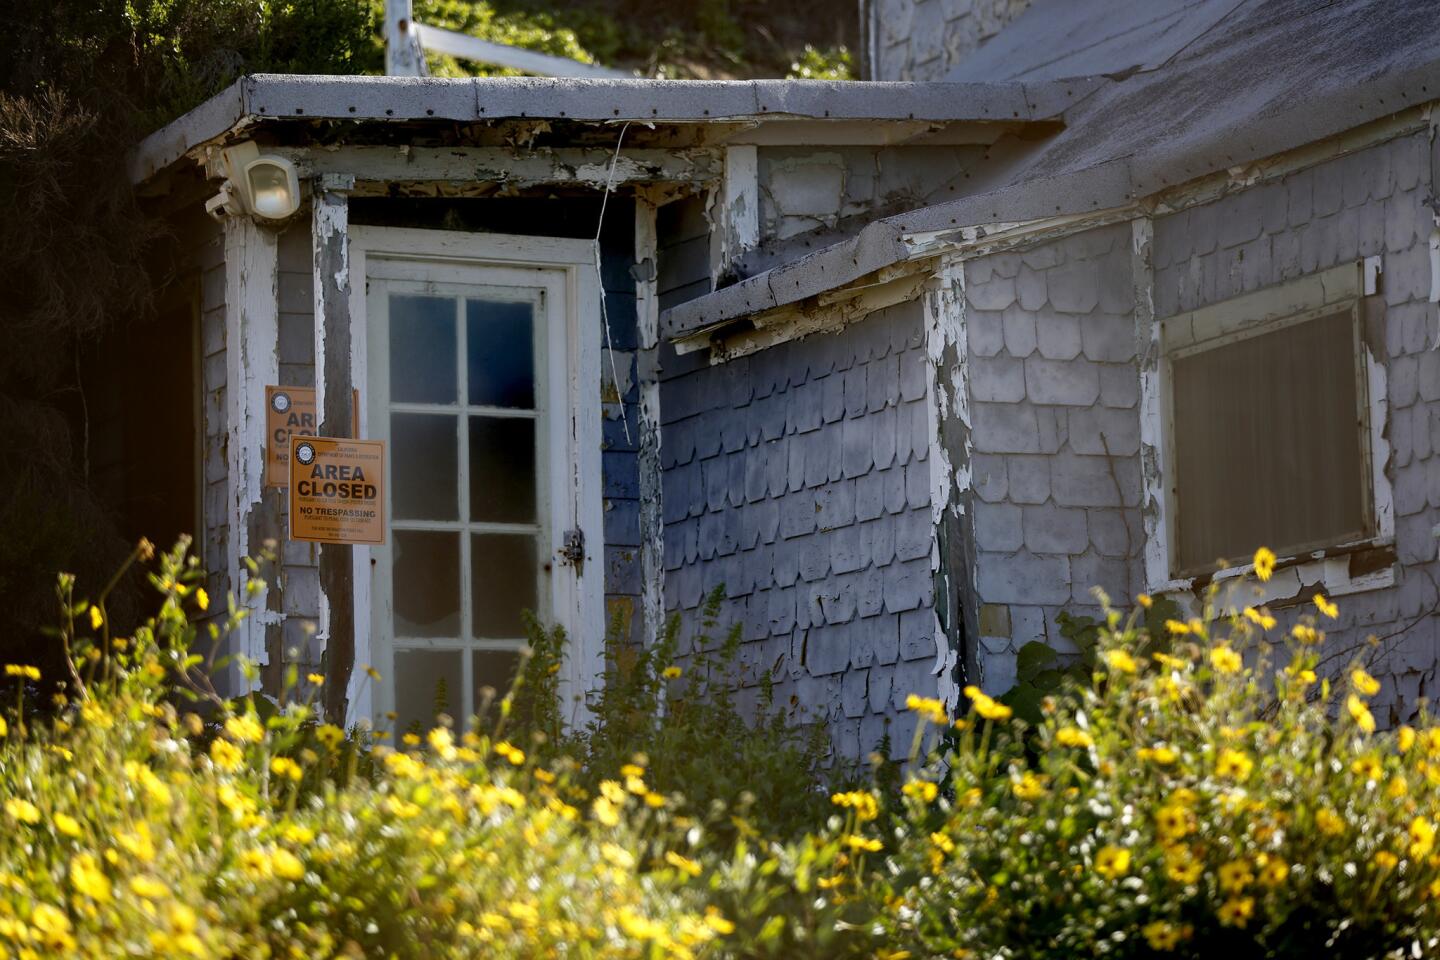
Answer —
833 63
533 30
1040 671
1176 803
741 766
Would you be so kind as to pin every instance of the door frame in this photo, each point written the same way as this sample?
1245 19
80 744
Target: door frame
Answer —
575 481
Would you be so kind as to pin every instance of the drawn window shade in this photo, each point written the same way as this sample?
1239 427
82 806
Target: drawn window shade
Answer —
1268 444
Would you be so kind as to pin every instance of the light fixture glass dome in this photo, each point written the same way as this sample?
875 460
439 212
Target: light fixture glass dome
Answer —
273 187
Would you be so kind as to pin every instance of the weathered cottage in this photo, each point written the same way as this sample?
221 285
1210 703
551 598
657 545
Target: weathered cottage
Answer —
1096 294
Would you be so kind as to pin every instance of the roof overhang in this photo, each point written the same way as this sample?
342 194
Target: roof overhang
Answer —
793 110
1306 131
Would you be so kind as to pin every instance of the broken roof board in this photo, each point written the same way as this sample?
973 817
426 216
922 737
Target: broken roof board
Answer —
1280 77
281 97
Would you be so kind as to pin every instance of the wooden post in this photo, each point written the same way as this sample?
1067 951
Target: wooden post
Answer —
251 341
403 54
334 385
652 525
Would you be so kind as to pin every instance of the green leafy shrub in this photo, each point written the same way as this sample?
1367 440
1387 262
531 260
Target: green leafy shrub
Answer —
1182 803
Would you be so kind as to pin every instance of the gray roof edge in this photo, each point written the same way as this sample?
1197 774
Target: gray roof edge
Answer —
881 244
165 146
304 97
1308 120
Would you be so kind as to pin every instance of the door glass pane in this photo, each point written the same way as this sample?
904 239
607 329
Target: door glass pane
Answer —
494 669
422 349
423 460
502 583
427 583
427 683
500 342
502 469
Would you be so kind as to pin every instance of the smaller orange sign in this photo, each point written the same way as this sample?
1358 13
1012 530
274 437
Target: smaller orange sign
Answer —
290 411
337 490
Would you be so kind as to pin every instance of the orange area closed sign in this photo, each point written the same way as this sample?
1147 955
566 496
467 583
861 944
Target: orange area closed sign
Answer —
290 411
337 490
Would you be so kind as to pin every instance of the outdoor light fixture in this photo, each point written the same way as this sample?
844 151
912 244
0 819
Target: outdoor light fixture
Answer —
267 187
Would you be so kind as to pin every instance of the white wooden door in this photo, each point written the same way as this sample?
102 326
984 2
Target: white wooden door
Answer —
476 377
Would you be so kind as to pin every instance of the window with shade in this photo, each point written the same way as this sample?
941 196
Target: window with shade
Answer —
1268 437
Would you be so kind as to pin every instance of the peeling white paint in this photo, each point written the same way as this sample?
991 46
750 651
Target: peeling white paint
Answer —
947 398
652 526
251 338
1152 393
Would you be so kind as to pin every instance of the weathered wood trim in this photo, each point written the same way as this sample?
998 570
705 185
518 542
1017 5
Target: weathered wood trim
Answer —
652 524
735 210
334 384
952 555
376 168
251 361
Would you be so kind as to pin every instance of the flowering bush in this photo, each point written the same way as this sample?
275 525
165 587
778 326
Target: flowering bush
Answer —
1195 798
1218 797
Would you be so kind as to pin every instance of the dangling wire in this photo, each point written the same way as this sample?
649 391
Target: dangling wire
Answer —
600 278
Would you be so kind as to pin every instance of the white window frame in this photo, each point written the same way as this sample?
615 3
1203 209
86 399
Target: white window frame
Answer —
1252 314
566 269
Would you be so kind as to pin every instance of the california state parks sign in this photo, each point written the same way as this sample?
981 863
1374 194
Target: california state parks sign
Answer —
337 490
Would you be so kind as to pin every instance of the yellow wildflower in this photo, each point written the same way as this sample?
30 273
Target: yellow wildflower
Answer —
1072 737
1422 838
442 741
329 735
23 671
245 728
510 752
1122 661
1028 787
943 842
1112 862
66 824
139 844
22 810
1264 563
987 707
1144 599
1327 607
684 864
1305 633
1364 719
1405 739
922 790
1234 764
202 599
717 922
1162 755
1225 660
226 755
1364 684
864 844
1161 936
1262 620
97 619
88 877
1367 767
4 729
148 887
672 672
1173 822
928 707
1177 627
1235 876
285 767
863 802
1237 911
1181 867
286 865
1385 860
